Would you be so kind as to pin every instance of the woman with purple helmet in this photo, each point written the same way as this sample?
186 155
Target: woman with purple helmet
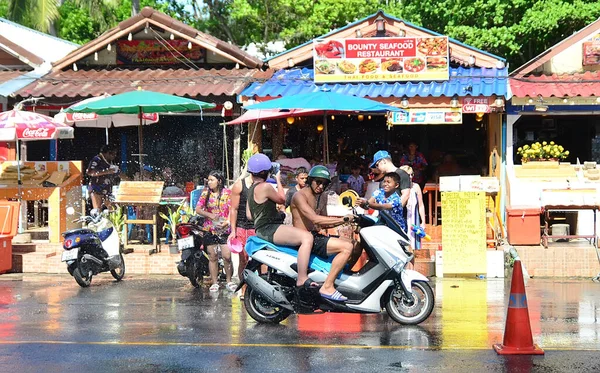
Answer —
262 209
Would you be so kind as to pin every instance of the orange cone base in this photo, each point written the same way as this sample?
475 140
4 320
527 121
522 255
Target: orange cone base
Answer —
530 350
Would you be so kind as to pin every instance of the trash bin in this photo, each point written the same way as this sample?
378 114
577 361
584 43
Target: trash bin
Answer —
9 220
523 225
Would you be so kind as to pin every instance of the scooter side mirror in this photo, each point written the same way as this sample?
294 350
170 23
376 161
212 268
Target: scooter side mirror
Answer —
70 211
94 212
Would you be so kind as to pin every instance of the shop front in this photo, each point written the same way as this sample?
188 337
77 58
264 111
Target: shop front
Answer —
556 184
450 99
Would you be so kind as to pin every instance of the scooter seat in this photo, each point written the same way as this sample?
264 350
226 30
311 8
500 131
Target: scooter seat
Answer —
255 244
78 231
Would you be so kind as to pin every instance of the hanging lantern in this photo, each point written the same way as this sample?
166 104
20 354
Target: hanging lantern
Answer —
361 117
333 117
320 127
290 120
369 117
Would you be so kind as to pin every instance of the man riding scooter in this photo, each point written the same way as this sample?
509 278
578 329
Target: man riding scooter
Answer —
303 207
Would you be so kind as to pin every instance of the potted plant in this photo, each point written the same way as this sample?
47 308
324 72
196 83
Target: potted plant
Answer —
542 152
181 214
117 218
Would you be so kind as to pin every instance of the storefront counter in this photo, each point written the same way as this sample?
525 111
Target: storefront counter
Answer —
61 186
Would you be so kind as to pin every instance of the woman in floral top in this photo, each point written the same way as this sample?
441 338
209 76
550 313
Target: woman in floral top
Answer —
214 204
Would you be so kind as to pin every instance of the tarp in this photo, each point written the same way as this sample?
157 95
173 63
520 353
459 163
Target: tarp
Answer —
254 115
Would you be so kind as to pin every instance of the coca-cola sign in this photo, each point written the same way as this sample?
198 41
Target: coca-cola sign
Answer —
35 133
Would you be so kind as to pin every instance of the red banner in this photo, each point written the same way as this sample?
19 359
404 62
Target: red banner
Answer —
155 52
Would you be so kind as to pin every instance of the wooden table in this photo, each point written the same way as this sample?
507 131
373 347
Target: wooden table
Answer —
140 193
430 189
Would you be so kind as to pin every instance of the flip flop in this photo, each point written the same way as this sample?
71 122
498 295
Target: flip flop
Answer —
336 296
231 286
214 288
308 284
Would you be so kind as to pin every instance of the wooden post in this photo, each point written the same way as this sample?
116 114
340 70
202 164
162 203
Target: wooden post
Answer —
277 129
236 151
255 134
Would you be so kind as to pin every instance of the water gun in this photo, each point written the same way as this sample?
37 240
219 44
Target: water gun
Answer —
420 232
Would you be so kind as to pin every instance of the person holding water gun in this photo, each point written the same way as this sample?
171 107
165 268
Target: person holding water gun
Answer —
415 212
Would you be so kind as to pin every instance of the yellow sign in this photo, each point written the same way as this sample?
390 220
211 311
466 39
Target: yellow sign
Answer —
463 233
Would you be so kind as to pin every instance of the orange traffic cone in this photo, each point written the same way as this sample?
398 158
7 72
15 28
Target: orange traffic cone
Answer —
517 333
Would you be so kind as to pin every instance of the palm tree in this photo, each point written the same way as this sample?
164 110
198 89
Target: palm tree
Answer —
40 14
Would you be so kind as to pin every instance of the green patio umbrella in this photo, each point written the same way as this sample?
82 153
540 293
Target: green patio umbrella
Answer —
139 102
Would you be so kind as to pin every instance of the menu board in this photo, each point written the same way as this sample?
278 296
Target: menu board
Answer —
381 59
591 51
464 233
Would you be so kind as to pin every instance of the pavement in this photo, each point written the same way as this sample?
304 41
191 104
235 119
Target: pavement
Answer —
162 324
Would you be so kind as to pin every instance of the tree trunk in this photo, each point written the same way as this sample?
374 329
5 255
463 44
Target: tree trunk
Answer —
135 7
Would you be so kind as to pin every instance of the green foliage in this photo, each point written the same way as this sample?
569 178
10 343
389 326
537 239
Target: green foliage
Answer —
75 24
517 30
117 218
37 14
181 214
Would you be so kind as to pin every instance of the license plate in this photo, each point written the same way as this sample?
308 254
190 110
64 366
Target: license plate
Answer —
69 255
185 243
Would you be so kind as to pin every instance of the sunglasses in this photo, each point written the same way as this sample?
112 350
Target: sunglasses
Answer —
325 183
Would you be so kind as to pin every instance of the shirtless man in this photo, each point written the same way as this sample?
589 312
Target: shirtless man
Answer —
304 204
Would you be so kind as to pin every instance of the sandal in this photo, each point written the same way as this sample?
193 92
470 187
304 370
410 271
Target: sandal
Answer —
214 288
231 286
308 284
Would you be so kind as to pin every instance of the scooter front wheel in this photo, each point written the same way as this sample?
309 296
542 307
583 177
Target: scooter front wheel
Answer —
82 280
119 272
414 310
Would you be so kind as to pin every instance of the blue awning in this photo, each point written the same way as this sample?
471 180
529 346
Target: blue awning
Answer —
463 82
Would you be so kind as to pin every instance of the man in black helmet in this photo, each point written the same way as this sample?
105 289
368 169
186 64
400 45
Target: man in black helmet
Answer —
304 216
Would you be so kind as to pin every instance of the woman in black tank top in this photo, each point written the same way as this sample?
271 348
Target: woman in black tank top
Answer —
262 200
241 227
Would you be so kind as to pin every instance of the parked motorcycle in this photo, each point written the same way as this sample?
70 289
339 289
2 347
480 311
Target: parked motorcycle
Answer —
383 282
190 242
93 249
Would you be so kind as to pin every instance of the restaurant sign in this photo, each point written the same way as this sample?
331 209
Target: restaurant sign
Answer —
143 52
381 59
425 116
591 51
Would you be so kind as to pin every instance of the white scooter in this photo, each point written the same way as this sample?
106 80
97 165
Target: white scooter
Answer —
383 282
93 249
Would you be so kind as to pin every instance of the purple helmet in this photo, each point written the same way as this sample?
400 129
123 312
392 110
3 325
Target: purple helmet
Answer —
259 163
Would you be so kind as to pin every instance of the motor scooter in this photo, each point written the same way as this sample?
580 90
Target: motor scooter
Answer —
190 242
383 282
93 249
194 258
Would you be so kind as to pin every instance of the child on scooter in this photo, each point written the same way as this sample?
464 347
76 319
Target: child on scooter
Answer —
387 198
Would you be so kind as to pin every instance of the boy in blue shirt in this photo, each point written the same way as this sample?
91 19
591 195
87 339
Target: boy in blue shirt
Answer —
387 198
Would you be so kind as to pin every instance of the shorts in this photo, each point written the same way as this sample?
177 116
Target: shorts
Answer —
213 239
267 232
319 247
243 234
105 190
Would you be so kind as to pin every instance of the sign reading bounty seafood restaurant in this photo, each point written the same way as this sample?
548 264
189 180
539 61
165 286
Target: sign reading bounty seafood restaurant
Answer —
381 59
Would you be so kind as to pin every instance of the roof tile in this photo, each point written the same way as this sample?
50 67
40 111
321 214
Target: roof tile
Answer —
180 82
558 85
462 82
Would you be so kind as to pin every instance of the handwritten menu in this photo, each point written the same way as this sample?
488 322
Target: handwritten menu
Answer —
463 233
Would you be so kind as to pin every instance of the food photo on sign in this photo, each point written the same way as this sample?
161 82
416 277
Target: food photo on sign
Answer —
381 59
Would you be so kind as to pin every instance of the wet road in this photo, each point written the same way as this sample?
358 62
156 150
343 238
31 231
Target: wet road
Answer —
162 324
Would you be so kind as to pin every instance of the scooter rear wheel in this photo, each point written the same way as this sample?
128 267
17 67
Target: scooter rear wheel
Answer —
193 272
83 281
263 311
410 311
119 272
